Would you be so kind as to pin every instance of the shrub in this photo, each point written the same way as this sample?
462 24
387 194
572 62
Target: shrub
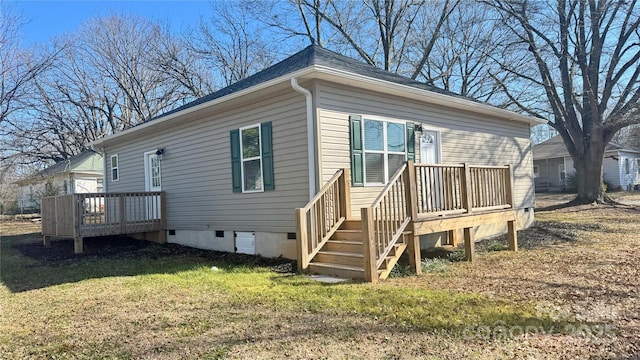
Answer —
496 246
400 270
456 256
436 265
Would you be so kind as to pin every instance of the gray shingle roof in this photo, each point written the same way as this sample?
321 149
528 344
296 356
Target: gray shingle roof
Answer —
312 55
555 147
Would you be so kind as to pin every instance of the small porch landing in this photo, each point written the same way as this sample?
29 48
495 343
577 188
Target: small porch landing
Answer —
79 216
419 199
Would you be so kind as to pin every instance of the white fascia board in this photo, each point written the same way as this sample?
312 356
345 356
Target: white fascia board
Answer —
426 95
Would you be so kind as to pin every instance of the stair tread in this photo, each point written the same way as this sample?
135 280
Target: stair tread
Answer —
342 253
338 241
337 266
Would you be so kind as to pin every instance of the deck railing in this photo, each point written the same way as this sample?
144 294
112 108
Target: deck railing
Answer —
99 214
457 189
322 216
384 222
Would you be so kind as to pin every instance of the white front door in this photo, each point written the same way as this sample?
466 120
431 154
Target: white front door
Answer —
429 147
153 182
429 155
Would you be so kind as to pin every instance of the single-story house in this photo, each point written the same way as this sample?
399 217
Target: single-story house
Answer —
235 164
552 165
81 173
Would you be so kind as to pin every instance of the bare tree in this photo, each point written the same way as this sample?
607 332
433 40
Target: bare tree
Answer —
18 66
114 73
459 58
231 42
583 58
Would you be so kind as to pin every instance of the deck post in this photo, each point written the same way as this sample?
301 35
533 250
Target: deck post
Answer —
368 242
163 210
411 191
469 244
411 194
46 240
466 192
512 235
509 185
415 257
123 214
344 188
303 241
77 214
78 245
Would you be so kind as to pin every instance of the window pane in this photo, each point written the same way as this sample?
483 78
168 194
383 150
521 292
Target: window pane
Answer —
395 138
250 143
114 161
395 162
373 135
114 174
375 168
252 175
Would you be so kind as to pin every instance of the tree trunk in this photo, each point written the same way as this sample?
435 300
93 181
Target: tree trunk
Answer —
589 175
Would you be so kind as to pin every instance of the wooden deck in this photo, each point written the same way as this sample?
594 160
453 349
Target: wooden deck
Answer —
420 199
79 216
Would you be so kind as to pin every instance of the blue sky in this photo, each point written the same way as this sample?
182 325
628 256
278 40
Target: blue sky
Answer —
46 19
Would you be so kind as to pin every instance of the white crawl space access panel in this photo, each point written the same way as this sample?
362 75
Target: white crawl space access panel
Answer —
246 242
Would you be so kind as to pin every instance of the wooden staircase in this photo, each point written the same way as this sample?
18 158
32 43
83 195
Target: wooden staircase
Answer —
343 254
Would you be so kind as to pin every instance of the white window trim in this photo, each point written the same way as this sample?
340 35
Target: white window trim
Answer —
242 159
117 167
384 150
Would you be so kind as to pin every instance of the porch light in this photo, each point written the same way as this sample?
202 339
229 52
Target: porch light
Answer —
417 127
160 152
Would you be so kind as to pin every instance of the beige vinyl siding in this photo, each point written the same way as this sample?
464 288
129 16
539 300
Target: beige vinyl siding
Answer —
465 137
196 168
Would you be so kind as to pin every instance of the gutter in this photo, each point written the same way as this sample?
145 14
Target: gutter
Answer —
311 144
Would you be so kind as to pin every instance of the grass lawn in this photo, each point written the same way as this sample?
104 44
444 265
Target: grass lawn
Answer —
572 292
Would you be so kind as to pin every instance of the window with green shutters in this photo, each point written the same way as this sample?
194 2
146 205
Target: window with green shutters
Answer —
378 149
252 158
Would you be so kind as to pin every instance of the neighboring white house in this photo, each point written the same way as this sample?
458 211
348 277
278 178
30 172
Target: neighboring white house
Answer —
236 164
552 165
82 173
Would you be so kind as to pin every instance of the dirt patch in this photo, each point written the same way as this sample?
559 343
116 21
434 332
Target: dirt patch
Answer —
122 247
545 234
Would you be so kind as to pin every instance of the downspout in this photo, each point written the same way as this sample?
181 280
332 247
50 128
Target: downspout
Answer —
311 143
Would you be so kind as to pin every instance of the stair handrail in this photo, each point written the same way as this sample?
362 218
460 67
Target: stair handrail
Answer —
322 216
384 222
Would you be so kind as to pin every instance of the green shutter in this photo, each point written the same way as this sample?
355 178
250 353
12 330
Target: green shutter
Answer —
236 162
411 142
267 156
357 157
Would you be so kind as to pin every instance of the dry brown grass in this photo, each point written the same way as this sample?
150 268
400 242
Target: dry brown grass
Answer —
549 199
176 307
